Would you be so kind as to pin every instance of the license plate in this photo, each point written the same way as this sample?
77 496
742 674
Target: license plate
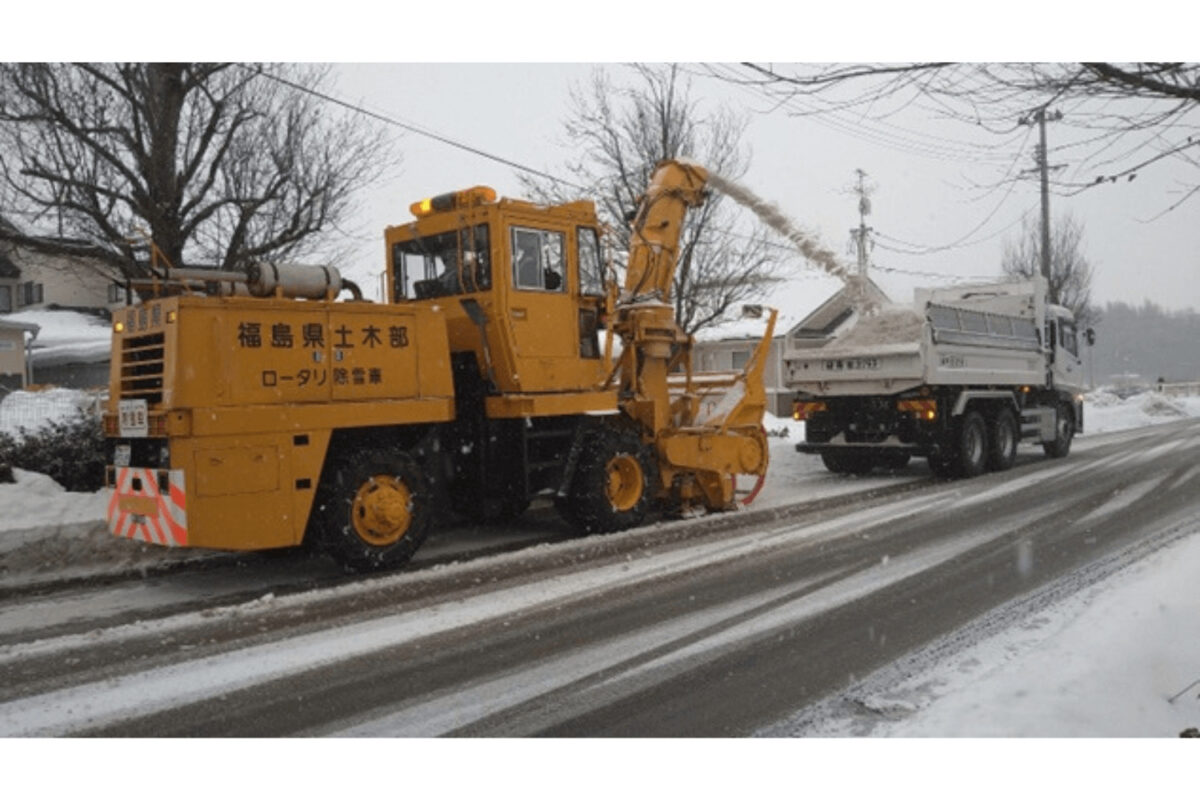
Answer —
133 418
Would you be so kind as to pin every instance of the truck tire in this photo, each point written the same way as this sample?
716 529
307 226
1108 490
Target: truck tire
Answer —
972 445
1064 430
1002 440
611 488
373 511
847 463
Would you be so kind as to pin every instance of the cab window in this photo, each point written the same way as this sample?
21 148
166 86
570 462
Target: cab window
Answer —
537 259
1066 337
591 274
455 262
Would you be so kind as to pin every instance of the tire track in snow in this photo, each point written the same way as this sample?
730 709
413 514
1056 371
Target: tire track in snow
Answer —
575 684
454 709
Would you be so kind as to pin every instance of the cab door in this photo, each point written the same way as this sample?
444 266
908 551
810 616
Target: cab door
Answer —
1068 367
542 310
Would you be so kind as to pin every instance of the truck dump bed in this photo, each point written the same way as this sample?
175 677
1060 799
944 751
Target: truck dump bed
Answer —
968 336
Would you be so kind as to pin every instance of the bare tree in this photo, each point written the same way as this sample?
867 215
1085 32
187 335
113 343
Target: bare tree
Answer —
623 133
1125 117
1070 270
219 164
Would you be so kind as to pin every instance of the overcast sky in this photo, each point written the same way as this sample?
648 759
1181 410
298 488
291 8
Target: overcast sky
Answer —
926 172
935 183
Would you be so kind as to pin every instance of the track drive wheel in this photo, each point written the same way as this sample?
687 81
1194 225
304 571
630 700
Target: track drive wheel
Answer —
611 488
375 512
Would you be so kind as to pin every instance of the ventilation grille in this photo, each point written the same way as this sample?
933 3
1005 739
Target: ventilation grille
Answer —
142 365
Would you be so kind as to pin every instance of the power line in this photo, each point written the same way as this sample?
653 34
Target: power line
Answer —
416 129
413 128
924 250
468 148
925 146
939 275
920 250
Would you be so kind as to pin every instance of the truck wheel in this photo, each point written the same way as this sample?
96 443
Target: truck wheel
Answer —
972 445
848 463
1002 441
611 487
1064 429
376 511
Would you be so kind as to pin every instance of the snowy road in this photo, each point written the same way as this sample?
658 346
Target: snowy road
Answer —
721 626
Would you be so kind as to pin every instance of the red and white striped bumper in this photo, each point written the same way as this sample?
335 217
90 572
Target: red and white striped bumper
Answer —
141 509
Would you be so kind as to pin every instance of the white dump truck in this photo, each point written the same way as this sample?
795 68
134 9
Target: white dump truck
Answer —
959 378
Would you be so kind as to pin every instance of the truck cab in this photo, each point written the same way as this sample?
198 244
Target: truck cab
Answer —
522 287
1063 348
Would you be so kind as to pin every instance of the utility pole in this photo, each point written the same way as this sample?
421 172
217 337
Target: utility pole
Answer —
860 235
1040 116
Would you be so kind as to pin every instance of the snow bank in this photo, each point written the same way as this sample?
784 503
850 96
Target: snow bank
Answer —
1103 398
1117 660
67 337
32 410
37 500
1104 410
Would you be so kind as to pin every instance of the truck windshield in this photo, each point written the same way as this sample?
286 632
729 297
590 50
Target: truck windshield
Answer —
1066 336
455 262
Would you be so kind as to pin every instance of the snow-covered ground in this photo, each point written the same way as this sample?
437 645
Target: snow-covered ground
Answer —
1055 675
1105 662
1119 659
1104 411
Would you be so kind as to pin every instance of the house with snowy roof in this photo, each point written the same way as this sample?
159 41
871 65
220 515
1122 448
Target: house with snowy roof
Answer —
16 339
32 279
69 299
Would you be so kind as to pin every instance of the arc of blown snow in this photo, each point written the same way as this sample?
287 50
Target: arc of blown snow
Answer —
770 214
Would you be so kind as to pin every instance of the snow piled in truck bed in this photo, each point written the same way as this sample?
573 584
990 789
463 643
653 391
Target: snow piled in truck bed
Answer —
889 325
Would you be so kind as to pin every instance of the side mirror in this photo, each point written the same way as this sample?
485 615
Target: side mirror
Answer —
1090 335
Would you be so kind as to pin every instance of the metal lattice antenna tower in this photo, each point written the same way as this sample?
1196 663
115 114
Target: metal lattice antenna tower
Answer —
862 241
